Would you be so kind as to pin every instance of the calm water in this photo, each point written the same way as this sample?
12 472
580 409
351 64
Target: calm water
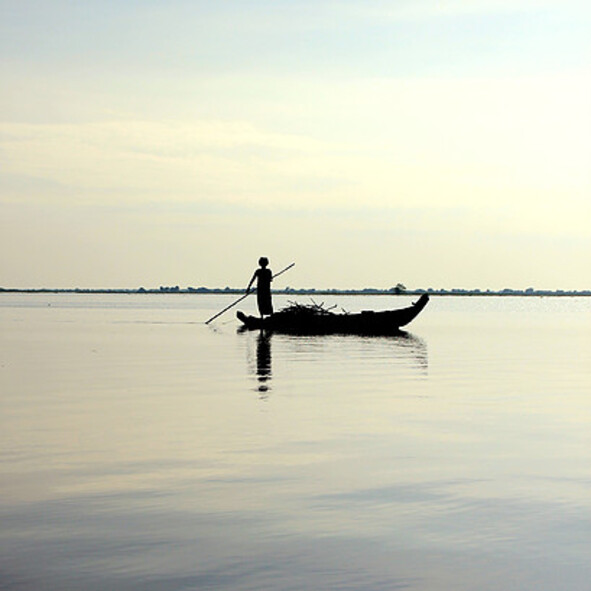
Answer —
143 450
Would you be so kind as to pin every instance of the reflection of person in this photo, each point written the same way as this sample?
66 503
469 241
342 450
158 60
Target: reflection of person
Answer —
264 278
263 360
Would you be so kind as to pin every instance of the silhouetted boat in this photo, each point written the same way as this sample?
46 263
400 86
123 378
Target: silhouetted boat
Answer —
303 320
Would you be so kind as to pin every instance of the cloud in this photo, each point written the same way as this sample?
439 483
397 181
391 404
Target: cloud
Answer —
379 143
141 161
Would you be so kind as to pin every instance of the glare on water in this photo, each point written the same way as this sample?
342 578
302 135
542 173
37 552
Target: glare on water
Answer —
143 449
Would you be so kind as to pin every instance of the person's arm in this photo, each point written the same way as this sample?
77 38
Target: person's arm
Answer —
251 282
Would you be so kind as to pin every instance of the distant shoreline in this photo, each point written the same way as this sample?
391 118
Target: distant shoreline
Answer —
530 292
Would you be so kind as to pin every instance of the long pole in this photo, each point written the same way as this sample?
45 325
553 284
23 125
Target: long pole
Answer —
246 295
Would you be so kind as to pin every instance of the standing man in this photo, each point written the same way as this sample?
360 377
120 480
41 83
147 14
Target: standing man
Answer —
264 277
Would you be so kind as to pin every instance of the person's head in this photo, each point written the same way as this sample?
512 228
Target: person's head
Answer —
263 261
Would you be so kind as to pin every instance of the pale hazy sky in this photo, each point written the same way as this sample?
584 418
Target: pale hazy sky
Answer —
433 143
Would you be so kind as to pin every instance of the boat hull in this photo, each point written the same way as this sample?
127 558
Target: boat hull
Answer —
366 323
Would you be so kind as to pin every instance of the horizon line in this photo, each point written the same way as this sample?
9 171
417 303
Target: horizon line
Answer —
530 291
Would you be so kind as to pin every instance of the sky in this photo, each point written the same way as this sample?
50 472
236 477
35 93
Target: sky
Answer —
438 144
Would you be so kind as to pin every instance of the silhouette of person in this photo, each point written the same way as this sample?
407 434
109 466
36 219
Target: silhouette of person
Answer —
264 278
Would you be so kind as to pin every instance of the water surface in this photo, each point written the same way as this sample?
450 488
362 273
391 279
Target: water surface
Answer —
142 449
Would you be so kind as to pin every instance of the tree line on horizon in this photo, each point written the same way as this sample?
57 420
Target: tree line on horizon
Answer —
399 289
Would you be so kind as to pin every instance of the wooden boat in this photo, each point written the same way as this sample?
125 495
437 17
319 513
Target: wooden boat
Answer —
304 320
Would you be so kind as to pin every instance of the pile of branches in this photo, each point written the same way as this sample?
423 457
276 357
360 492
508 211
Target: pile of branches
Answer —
309 310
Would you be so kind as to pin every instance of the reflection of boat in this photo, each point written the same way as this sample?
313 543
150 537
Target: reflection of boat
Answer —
411 348
304 320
